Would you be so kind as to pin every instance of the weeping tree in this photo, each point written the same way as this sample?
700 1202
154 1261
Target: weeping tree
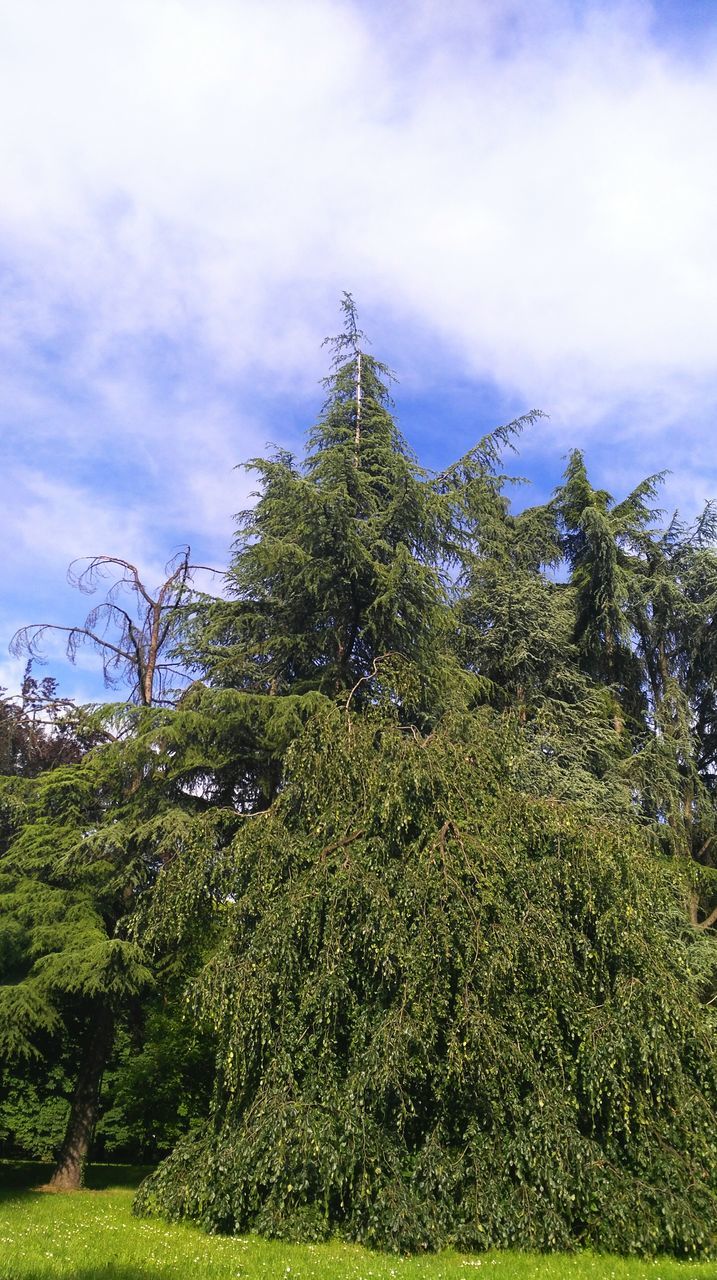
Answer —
449 1011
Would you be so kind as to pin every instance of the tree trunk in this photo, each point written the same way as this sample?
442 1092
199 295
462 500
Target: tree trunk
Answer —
357 434
69 1173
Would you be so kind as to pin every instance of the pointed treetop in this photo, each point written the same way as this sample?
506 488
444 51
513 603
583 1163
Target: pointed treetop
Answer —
347 343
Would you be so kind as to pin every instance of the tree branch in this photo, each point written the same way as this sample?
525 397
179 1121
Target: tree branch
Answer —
707 923
22 642
342 843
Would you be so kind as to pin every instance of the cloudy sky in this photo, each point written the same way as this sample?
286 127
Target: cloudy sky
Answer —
522 198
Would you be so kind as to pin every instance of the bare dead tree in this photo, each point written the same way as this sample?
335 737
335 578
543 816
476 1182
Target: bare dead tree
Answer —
132 629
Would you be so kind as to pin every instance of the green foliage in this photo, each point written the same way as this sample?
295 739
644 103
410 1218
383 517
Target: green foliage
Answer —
33 1109
337 564
60 909
431 845
643 626
601 537
157 1086
448 1012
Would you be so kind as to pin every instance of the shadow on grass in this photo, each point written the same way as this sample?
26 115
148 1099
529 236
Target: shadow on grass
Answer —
109 1272
27 1175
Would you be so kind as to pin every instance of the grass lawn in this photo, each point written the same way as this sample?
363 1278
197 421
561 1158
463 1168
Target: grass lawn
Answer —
93 1236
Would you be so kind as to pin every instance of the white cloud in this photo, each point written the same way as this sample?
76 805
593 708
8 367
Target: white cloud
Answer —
540 191
11 672
523 192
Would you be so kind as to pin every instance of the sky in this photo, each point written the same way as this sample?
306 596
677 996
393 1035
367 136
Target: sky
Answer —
521 197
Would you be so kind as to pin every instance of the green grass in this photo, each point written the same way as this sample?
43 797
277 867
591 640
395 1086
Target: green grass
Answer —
93 1236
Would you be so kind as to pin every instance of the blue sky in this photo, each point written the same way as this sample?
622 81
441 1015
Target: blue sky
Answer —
521 196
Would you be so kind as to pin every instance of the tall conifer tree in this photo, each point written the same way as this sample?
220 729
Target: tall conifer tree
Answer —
335 568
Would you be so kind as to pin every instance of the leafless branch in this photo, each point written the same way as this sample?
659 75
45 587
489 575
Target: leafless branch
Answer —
131 637
371 675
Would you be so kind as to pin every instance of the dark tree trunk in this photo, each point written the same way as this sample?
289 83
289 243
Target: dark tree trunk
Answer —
69 1173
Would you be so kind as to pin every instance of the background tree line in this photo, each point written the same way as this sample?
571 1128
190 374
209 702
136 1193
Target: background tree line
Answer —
419 857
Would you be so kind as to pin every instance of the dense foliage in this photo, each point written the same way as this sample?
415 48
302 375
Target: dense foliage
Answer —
449 1012
424 859
155 1086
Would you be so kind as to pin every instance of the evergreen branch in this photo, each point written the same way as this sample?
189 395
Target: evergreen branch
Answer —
486 453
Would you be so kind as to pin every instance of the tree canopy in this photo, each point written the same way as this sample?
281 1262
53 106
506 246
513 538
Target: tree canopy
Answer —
425 853
448 1011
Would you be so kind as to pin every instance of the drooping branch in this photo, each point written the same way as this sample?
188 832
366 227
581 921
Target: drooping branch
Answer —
27 640
133 641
